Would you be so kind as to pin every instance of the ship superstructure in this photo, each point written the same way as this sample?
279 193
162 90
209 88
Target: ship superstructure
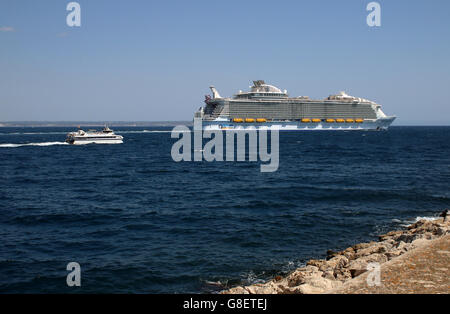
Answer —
266 106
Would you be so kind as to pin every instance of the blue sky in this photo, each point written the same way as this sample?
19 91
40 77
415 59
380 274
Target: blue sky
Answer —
154 60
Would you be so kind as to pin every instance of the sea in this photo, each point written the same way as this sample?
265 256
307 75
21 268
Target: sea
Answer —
136 221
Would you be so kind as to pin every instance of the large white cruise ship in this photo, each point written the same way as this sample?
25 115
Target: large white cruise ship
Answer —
106 136
267 107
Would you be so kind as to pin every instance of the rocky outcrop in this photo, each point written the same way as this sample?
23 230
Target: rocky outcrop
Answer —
323 275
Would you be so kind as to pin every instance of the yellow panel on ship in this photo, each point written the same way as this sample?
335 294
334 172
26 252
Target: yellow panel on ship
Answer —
316 120
340 120
305 120
238 120
349 120
330 121
359 120
249 120
260 120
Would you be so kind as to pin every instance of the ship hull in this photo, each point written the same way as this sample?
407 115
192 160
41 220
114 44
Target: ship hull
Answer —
96 142
84 141
378 124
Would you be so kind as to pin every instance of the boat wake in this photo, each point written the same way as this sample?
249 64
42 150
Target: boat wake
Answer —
32 144
32 133
52 133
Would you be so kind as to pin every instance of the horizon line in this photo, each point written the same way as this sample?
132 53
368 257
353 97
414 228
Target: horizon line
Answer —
142 122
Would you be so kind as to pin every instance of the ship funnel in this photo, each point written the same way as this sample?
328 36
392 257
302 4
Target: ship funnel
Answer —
215 92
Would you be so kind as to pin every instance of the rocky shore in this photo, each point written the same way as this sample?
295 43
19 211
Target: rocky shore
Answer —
341 270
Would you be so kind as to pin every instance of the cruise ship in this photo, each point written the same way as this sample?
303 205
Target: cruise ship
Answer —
106 136
267 107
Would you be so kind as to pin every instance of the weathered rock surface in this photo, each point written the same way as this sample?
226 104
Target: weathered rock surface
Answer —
325 275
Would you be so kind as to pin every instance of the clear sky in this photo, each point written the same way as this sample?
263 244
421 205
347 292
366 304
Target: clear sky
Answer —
154 60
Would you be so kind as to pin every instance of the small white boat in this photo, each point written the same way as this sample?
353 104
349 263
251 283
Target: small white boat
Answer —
106 136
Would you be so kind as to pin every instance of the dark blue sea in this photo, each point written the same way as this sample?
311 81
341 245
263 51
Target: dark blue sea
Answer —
138 222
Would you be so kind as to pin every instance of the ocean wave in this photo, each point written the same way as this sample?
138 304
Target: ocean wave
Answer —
407 222
11 145
426 218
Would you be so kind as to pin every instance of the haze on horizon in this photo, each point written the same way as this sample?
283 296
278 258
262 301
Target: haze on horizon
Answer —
154 60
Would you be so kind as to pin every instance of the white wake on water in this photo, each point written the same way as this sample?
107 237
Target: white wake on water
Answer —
426 218
33 144
408 222
32 133
117 132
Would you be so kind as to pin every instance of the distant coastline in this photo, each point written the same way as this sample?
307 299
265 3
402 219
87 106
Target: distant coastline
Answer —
93 123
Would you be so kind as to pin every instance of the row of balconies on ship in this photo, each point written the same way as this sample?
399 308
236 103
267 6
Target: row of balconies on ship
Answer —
288 112
304 120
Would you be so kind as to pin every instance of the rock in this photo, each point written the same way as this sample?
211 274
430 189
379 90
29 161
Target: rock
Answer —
419 224
278 278
324 283
267 288
394 253
419 242
316 286
349 253
331 254
403 246
361 246
389 235
342 274
236 290
320 276
329 274
377 248
307 289
316 262
440 231
303 275
336 262
408 238
356 272
359 266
